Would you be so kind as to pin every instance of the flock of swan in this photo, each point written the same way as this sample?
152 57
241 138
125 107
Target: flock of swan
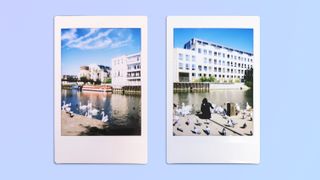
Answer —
88 110
185 110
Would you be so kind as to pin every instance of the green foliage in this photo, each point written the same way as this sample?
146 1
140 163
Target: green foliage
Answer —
248 77
107 80
205 79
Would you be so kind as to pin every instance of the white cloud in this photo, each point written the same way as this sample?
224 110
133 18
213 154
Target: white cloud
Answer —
97 40
70 35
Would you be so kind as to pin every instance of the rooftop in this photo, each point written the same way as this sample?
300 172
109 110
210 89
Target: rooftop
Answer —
204 42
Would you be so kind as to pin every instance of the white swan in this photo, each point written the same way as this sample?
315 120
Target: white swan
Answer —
185 110
88 115
82 107
248 107
104 118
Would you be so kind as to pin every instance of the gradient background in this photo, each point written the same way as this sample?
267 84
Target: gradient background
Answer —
290 145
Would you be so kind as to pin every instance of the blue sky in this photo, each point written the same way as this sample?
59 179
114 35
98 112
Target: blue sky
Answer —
241 39
84 46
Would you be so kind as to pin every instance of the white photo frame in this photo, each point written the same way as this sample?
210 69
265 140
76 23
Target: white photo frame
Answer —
99 149
213 149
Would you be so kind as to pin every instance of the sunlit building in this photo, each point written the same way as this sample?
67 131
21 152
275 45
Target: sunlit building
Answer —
199 58
95 72
126 71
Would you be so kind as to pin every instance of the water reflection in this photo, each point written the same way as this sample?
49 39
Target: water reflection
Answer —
218 97
124 111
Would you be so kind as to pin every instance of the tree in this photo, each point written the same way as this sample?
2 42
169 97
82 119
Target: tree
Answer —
248 77
84 79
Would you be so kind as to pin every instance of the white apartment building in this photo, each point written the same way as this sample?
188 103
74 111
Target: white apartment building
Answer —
199 58
126 71
94 72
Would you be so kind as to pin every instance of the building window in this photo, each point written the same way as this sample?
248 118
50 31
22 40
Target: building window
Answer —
219 62
200 68
180 65
199 74
204 51
228 56
210 52
223 55
205 68
215 53
193 74
187 57
210 68
219 53
193 67
199 51
228 70
180 56
219 69
223 62
210 60
215 61
215 69
193 58
204 75
205 60
187 66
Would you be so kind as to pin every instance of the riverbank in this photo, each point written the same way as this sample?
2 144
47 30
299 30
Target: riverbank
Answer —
226 86
215 124
78 124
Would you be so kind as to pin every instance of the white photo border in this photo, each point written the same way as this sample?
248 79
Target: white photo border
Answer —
214 149
99 149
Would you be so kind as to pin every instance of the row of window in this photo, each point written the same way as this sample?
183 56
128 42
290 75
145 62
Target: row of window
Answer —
215 69
217 54
224 63
217 75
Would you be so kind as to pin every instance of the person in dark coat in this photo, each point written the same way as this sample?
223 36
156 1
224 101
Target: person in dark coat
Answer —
205 109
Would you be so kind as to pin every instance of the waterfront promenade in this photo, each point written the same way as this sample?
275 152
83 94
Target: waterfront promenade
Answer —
215 124
78 124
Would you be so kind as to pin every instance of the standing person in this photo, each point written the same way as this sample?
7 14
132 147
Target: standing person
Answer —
205 109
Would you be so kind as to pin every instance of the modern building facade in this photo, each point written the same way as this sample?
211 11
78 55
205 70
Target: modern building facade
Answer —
95 72
126 71
199 58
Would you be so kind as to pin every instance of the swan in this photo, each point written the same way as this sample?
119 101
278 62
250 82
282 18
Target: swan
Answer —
82 107
238 107
248 107
104 118
185 110
94 111
88 115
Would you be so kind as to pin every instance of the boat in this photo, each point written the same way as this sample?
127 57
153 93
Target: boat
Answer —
97 88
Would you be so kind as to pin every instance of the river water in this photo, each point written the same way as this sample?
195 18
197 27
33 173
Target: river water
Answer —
217 97
124 111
